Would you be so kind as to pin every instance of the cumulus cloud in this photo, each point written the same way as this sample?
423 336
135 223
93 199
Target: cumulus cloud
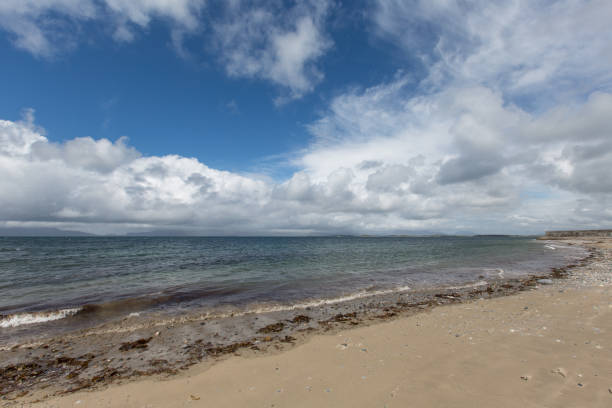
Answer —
98 181
17 138
418 177
465 156
509 120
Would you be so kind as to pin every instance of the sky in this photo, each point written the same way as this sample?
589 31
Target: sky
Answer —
316 117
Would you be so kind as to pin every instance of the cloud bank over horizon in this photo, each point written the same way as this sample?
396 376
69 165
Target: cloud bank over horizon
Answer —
509 131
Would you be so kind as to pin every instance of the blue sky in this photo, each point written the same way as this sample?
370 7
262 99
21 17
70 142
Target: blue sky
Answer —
284 118
169 104
163 103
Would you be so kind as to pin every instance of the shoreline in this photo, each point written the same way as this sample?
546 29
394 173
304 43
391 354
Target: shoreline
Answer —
71 367
23 315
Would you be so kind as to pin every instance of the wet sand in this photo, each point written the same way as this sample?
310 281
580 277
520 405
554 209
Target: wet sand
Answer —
542 347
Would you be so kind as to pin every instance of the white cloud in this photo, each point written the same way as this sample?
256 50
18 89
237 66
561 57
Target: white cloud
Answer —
141 12
182 14
44 27
85 153
520 46
464 153
508 118
97 181
280 45
17 138
263 40
35 25
426 175
510 131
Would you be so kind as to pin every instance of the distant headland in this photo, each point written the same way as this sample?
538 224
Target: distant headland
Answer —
578 233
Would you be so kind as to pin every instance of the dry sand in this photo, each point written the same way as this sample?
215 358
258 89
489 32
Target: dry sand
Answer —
550 347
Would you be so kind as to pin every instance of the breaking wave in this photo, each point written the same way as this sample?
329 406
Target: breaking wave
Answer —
20 319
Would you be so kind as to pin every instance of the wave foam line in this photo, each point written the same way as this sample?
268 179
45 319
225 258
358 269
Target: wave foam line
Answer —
256 310
469 285
20 319
321 302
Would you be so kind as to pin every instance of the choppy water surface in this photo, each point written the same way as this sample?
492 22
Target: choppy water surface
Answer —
50 281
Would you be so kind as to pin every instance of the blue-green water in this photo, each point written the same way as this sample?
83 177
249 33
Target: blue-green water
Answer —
126 275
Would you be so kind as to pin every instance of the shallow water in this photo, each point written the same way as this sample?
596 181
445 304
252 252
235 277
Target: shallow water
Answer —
75 282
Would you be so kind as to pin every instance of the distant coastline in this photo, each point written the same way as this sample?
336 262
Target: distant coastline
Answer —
41 232
578 233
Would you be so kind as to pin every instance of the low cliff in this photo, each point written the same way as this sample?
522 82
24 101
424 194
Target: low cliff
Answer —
579 233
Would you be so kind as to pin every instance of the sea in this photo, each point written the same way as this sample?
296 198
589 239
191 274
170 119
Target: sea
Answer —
56 284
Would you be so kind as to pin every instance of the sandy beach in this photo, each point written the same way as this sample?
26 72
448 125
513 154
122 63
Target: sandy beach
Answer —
547 346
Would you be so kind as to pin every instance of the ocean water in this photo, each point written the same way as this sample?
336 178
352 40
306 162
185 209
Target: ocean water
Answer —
59 282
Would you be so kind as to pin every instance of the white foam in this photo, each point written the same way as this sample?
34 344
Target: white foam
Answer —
257 310
470 285
304 305
21 319
321 302
550 247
